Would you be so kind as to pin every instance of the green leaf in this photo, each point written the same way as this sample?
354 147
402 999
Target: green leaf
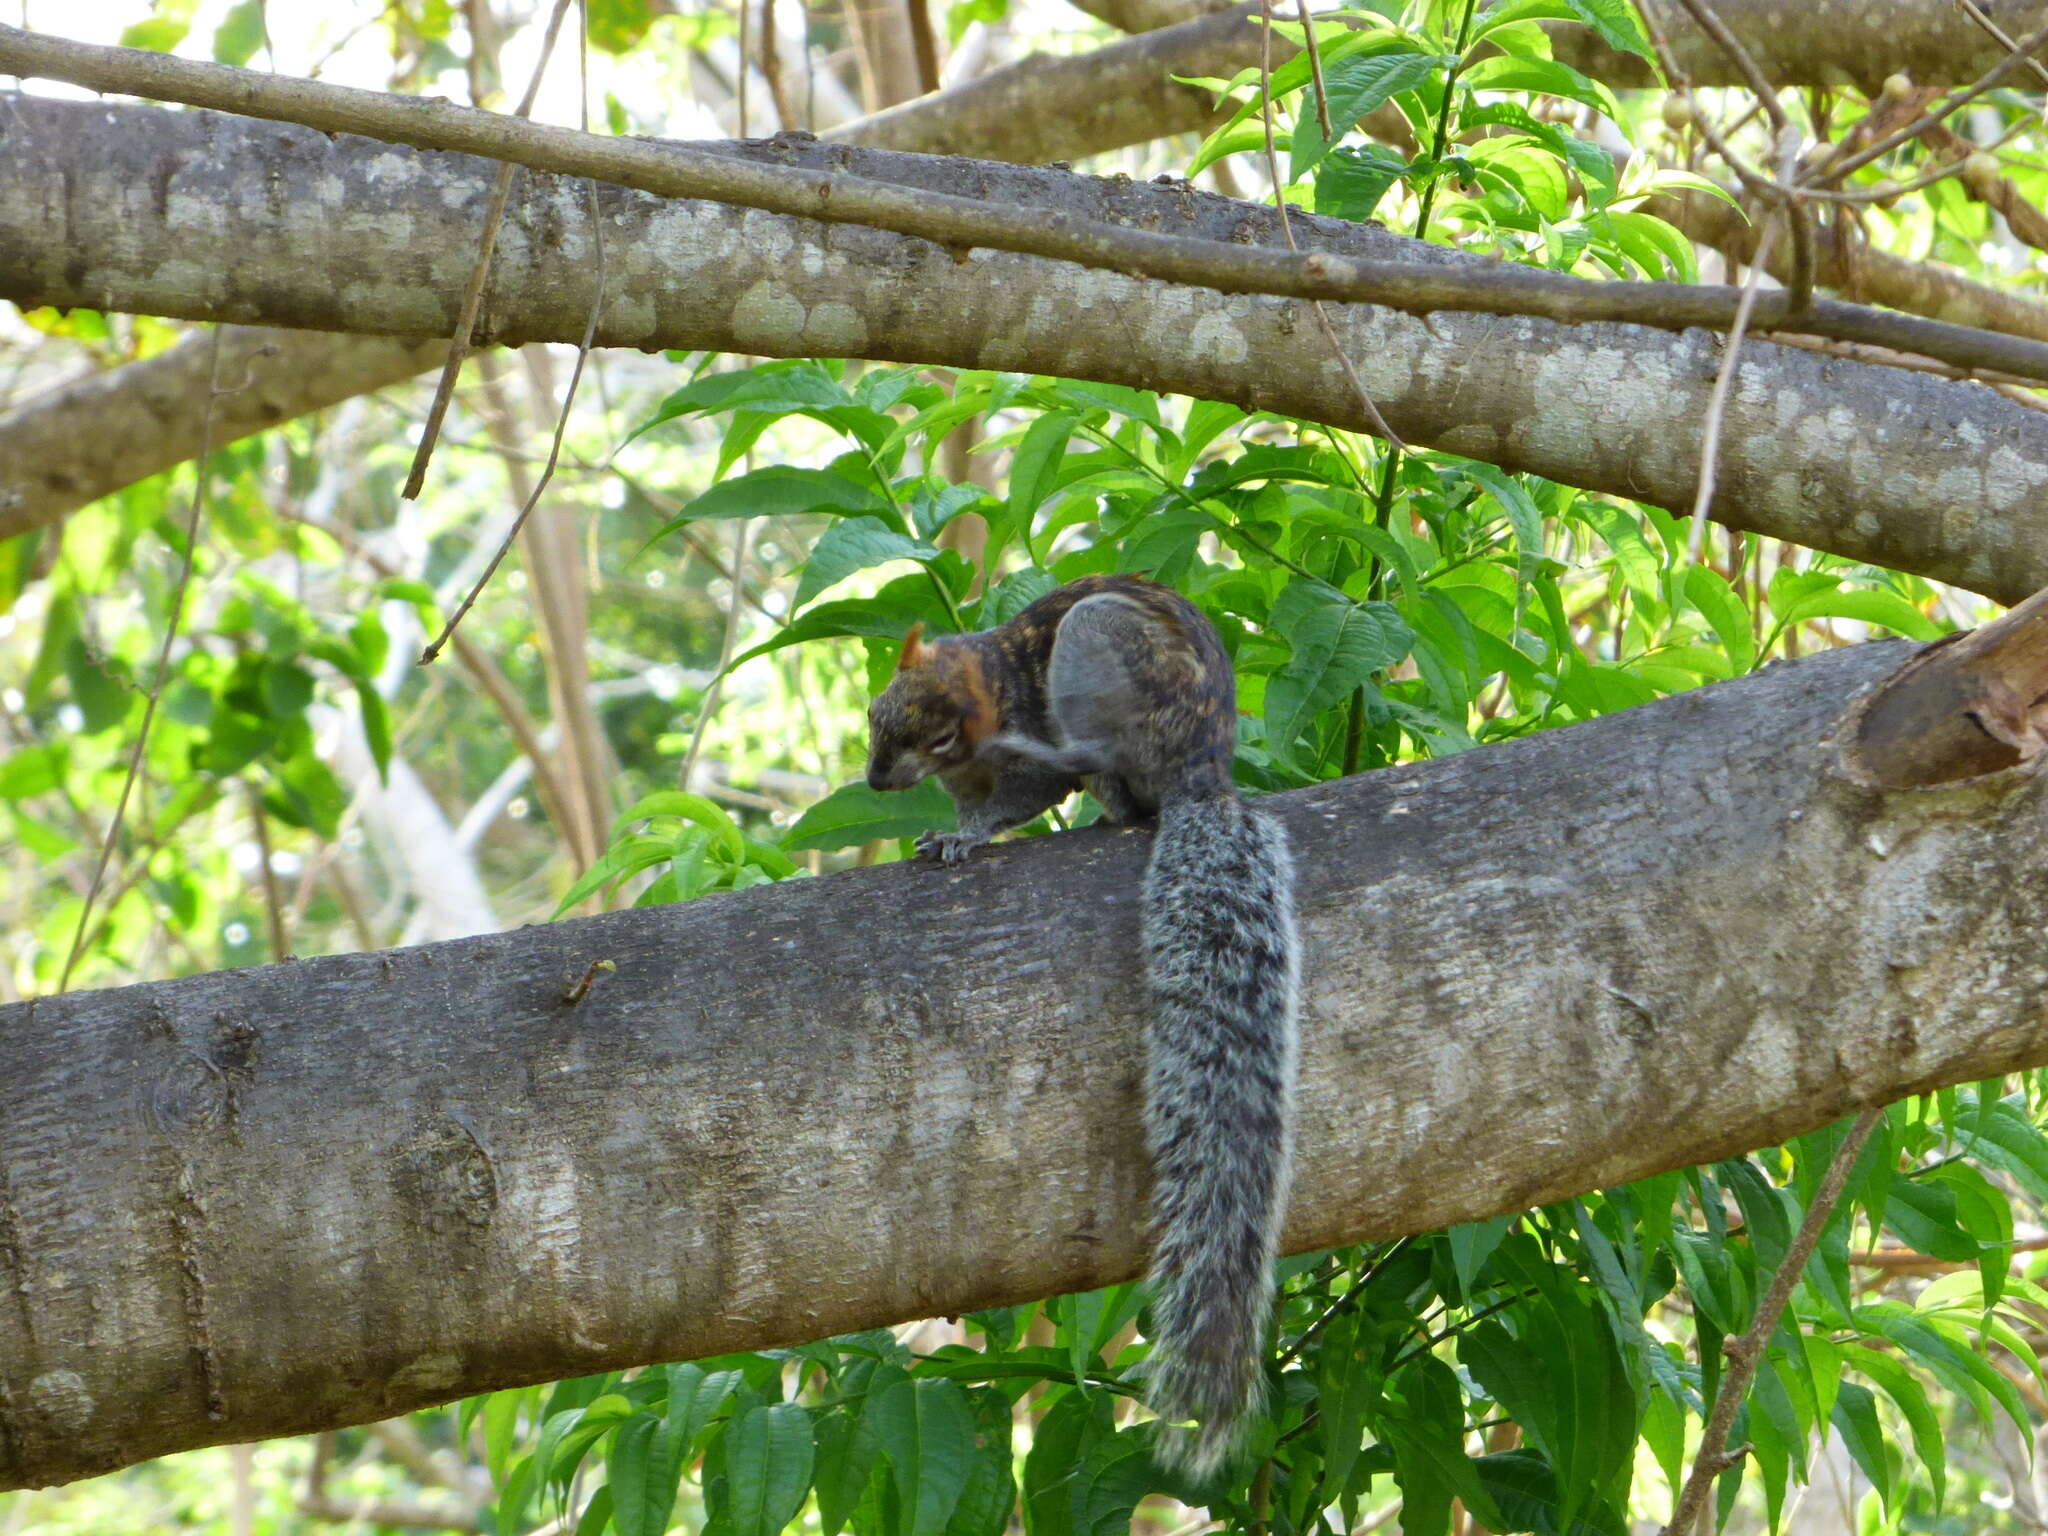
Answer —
1524 517
931 510
1013 594
643 1471
97 687
1855 1416
1615 21
1535 174
1504 72
1347 1385
926 1429
1923 1214
1117 1472
990 1495
1904 1389
779 490
1337 643
1653 245
777 388
846 1466
1709 592
768 1456
1612 19
1065 1436
1119 399
694 1395
2010 1142
1351 181
376 728
1426 1432
1868 605
1982 1211
159 34
1931 1343
1357 84
854 545
1524 1487
1472 1244
1763 1209
239 34
854 814
1035 467
1163 545
692 808
33 771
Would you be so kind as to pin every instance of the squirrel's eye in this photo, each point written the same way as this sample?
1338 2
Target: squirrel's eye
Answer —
945 743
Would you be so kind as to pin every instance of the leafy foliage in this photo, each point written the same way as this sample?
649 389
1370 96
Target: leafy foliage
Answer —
1545 1371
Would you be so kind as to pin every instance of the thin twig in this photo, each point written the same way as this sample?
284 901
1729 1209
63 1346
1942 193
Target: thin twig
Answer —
924 44
1784 189
1760 87
554 448
742 534
1971 9
163 665
771 67
1717 402
740 79
273 905
1746 1351
472 297
1956 100
1315 68
1329 330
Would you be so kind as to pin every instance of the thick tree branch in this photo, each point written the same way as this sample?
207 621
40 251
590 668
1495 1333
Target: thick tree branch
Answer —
1043 108
73 445
1794 42
1911 472
967 223
1065 107
336 1189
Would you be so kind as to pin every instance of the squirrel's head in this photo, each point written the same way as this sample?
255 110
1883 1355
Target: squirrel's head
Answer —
933 715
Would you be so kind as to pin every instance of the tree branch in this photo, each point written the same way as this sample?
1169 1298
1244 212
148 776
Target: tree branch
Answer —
1828 453
340 1188
963 224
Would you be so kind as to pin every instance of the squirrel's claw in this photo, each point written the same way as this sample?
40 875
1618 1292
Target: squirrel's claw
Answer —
948 847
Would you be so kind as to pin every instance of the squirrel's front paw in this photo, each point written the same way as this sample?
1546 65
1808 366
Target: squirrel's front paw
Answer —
948 847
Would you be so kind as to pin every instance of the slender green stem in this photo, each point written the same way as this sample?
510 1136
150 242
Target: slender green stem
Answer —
1390 466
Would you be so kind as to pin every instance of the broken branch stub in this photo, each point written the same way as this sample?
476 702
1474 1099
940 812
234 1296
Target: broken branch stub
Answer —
1970 705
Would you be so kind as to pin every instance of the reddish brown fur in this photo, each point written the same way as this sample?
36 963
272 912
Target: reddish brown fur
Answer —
979 685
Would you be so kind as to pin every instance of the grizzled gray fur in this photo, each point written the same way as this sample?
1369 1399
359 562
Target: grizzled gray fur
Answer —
1121 686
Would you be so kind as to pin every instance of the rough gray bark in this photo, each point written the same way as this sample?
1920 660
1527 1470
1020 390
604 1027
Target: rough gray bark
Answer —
1794 42
1046 107
1817 42
73 445
1915 473
289 1197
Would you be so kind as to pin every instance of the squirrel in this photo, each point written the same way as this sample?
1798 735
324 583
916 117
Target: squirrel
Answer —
1120 685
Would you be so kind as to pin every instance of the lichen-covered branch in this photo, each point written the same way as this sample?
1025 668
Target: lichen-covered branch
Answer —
1912 472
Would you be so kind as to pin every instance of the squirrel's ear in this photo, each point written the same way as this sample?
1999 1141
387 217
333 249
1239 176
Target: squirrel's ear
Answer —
915 652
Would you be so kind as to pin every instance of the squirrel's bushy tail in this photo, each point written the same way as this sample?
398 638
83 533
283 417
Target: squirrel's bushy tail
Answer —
1222 969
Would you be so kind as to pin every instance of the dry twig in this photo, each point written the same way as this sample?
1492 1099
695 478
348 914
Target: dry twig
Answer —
1717 402
163 669
1746 1351
473 295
